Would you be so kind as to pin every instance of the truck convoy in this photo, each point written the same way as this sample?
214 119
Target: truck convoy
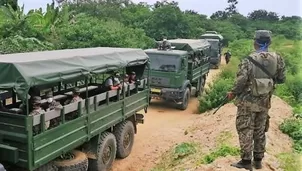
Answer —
215 40
178 69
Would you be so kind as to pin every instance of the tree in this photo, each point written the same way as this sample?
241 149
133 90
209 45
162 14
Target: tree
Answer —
231 9
89 31
263 15
167 21
12 3
228 12
219 15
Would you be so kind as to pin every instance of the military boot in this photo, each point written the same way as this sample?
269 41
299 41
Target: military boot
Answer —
243 164
257 163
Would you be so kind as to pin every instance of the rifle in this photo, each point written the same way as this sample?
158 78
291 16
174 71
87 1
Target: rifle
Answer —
223 102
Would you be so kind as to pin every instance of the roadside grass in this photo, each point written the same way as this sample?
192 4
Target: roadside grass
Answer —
188 155
290 161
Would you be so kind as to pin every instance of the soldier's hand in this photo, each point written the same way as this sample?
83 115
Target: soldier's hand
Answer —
230 95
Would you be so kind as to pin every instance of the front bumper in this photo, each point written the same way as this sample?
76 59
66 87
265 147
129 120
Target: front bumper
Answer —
170 94
214 60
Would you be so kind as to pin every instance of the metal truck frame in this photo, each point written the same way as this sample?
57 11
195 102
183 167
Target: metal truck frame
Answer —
101 123
189 79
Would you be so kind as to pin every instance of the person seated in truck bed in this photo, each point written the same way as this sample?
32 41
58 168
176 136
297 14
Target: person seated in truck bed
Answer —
52 104
132 77
112 82
75 98
33 91
125 81
37 109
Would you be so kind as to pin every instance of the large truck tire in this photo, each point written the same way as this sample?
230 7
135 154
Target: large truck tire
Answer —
47 167
124 134
185 99
78 163
106 153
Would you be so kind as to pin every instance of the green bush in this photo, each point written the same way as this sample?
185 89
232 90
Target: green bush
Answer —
222 151
215 94
184 149
18 44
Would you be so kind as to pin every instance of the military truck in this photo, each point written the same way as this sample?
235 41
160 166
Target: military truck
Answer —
179 71
215 40
104 123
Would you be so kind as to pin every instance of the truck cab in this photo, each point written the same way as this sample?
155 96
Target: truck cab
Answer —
180 71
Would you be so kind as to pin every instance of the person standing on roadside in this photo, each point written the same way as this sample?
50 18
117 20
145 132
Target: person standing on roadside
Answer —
253 89
227 56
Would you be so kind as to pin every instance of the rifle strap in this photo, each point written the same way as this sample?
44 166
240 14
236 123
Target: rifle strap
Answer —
261 67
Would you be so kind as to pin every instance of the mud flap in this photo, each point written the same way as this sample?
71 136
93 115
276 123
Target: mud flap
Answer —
139 118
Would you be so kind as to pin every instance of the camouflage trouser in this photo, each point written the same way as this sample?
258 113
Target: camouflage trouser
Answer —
251 130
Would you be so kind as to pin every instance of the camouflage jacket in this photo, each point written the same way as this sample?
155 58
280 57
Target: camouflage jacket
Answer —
74 99
37 112
53 105
241 88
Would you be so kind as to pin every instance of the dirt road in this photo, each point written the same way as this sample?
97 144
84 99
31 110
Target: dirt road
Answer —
163 128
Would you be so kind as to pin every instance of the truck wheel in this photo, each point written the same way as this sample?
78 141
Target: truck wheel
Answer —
106 153
185 99
79 162
124 133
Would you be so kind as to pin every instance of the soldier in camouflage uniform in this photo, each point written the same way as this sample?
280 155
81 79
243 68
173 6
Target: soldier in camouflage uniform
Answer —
253 89
36 103
52 104
227 56
75 98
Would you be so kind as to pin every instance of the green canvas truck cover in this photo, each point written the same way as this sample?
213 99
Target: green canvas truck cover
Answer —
22 70
188 44
212 36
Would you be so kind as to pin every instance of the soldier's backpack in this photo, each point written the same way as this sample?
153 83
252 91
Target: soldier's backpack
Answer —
263 71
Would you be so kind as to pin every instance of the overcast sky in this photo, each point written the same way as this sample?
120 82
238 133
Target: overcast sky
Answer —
208 7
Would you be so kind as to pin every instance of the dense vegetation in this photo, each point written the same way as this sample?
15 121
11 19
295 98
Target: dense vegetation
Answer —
86 23
122 23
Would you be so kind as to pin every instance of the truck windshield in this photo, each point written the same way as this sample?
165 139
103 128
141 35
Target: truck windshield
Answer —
167 63
214 44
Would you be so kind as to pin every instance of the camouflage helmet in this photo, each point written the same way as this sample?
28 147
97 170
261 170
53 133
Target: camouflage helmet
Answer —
36 100
76 90
262 35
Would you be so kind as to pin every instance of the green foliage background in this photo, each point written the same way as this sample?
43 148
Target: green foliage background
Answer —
119 23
